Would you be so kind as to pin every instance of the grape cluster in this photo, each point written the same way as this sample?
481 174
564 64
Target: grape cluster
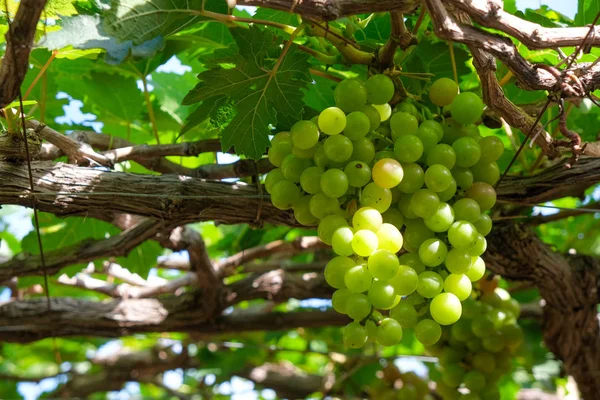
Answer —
400 198
475 352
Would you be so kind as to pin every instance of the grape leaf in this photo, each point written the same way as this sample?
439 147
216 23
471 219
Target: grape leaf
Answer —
262 90
586 11
277 16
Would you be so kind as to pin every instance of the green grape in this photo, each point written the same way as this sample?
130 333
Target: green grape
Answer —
405 281
328 225
442 219
321 206
466 108
432 252
373 115
389 332
430 284
338 148
462 235
376 197
336 269
486 172
438 178
350 95
394 217
443 91
458 285
310 179
483 194
477 269
384 110
380 89
453 375
320 157
415 234
408 107
402 123
412 260
277 152
428 332
452 130
467 209
483 224
389 237
435 126
458 261
428 136
408 148
442 154
332 121
424 203
449 193
387 173
357 125
367 218
363 150
472 131
341 241
305 134
380 155
358 306
358 173
371 331
467 152
355 335
285 194
365 242
493 343
491 148
383 264
463 177
479 247
281 137
474 381
450 356
482 327
414 178
358 279
381 295
292 167
461 330
302 212
405 314
339 300
334 182
308 153
513 335
445 308
272 178
405 207
416 299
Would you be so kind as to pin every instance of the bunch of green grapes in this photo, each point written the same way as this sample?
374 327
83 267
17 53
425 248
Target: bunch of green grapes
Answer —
401 199
477 351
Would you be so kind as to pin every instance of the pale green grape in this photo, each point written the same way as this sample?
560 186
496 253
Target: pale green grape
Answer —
452 130
384 110
389 237
350 95
357 125
281 137
438 178
458 261
491 148
358 306
363 150
487 172
467 209
387 173
338 148
436 126
484 361
405 207
383 264
285 194
373 115
320 157
405 281
484 224
430 284
428 332
334 182
272 178
380 89
389 332
376 197
365 242
339 300
453 375
402 123
424 203
358 173
479 247
302 212
466 108
405 314
408 107
458 285
415 234
428 137
412 260
463 177
358 279
332 121
341 241
367 218
449 193
474 381
292 167
305 134
414 178
328 225
462 235
321 206
336 269
355 335
301 153
442 154
381 295
443 91
394 217
467 152
432 252
477 269
310 179
277 152
442 219
408 148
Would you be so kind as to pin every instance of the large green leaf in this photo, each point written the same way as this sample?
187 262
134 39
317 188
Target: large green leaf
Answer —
586 11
